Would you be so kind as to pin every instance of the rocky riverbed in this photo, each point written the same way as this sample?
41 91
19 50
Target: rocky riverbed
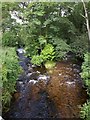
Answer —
53 93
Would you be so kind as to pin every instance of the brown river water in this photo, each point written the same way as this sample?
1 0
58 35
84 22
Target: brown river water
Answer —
65 89
54 93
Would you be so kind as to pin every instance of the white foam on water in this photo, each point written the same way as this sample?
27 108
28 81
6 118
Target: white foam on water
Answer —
21 50
37 71
1 118
60 74
29 74
70 83
43 77
33 81
20 82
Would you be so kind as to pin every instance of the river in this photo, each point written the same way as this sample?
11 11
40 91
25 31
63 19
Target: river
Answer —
41 93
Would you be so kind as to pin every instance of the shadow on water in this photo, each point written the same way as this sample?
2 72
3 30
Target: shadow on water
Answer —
55 93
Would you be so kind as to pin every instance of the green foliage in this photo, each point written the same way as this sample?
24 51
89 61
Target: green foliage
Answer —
80 45
86 71
61 48
85 110
8 39
31 47
13 37
42 23
50 64
46 54
8 22
10 71
42 40
45 29
63 27
45 22
46 25
37 60
11 29
76 16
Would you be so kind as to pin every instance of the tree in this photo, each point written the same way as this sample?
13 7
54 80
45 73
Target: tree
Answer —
86 18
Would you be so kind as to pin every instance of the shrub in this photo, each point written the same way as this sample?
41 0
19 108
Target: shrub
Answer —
80 45
9 39
37 60
86 71
46 54
10 71
85 110
61 48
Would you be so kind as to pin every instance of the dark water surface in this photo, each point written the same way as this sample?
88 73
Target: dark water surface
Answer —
42 93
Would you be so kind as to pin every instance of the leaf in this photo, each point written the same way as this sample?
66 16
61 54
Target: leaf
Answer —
39 13
48 21
36 21
42 40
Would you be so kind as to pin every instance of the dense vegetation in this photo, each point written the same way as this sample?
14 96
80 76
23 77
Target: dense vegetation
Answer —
48 31
85 111
44 23
10 71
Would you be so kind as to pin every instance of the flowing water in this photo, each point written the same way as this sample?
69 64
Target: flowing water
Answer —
41 93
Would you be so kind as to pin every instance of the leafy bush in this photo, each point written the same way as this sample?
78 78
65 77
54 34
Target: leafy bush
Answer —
80 45
46 54
61 48
85 110
63 27
86 71
9 39
45 21
31 48
42 40
76 18
10 71
37 60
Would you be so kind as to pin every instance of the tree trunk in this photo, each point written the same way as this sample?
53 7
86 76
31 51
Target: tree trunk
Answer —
87 21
